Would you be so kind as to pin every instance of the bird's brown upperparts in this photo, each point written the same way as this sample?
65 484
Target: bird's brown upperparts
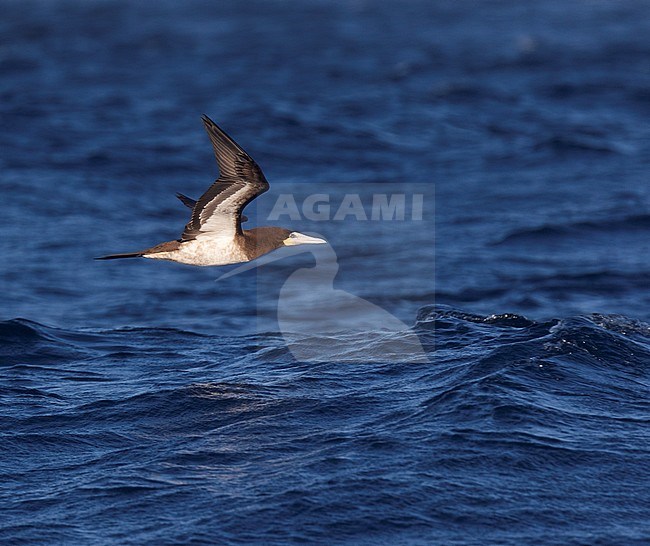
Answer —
214 235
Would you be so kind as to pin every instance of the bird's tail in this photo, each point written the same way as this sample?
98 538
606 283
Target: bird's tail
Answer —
124 255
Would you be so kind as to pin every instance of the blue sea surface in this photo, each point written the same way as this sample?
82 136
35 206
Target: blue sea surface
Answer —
147 402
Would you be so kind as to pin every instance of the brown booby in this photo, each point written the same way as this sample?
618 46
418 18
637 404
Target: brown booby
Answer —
214 235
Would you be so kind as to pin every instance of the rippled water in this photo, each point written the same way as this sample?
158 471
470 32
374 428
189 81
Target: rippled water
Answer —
517 427
145 402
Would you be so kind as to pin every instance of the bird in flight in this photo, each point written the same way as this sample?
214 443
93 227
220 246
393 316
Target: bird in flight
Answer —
214 235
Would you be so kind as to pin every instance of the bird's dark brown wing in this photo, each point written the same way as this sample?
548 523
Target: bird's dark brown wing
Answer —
218 211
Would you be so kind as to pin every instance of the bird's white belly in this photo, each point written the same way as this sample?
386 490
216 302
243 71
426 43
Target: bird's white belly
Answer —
204 252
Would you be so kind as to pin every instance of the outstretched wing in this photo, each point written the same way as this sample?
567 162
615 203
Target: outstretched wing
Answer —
187 201
218 212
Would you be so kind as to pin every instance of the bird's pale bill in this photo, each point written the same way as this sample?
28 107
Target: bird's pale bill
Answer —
296 238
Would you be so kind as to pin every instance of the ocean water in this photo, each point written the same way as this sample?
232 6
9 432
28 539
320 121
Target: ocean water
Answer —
477 375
